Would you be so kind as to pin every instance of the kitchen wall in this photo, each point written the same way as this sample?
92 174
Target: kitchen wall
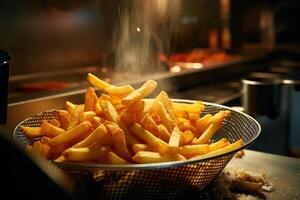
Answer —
50 35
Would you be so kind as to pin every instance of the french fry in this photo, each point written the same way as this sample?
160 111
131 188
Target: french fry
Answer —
163 133
85 153
127 117
72 134
31 132
54 122
70 107
164 116
64 114
228 148
181 113
220 116
115 101
139 117
122 127
153 157
56 151
75 117
183 124
155 143
186 137
40 148
137 95
98 109
113 158
167 105
50 130
87 116
60 159
44 139
149 124
120 91
109 111
137 107
98 136
112 99
97 121
119 140
64 118
90 99
164 98
174 140
218 145
195 108
193 117
202 124
95 81
208 133
148 104
130 139
215 125
189 151
140 147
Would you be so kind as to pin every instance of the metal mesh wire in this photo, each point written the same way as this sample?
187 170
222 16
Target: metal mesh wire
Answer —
167 182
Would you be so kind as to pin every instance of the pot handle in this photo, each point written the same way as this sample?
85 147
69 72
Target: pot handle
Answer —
4 75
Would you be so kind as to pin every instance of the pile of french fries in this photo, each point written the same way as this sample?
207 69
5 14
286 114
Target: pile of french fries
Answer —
121 126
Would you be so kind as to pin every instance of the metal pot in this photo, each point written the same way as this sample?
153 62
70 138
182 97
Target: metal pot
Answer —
262 96
272 99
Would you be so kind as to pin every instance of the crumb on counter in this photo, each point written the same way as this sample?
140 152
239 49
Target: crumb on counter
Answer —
240 154
240 184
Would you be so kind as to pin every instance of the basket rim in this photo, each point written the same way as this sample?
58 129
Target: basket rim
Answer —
161 165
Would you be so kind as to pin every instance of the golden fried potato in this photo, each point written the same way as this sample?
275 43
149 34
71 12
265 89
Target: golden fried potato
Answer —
109 111
153 141
85 153
40 148
75 116
31 132
153 157
119 140
99 136
140 93
72 135
163 133
218 145
193 150
90 100
228 148
122 127
113 158
64 118
50 130
175 137
140 147
120 91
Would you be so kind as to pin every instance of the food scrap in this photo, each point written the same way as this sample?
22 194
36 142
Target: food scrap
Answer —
242 185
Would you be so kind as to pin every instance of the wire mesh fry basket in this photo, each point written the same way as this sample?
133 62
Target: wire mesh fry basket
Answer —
169 180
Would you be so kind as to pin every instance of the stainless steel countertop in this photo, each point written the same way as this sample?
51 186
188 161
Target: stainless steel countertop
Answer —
282 171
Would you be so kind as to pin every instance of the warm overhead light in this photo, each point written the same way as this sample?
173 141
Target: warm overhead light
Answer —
175 69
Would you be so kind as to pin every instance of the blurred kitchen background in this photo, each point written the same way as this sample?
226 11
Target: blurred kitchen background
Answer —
198 49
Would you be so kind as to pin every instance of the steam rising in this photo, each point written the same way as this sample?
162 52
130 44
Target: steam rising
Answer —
143 33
